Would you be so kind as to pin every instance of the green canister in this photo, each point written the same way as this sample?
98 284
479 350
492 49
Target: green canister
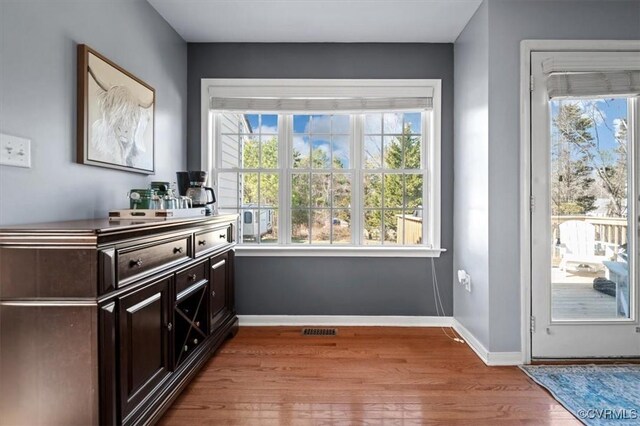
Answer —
141 198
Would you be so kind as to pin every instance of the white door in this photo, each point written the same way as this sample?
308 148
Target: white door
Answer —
584 183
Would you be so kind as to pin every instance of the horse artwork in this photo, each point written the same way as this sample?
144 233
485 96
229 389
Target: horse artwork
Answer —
115 115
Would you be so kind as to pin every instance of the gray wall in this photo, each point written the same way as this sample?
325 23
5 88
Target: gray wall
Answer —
471 168
38 101
346 286
508 22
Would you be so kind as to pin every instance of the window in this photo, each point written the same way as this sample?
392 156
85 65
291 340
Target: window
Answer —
359 176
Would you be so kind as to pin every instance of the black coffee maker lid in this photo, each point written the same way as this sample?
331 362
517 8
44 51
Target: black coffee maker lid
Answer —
198 176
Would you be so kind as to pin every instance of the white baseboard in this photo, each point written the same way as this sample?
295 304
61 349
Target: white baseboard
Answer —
489 358
345 320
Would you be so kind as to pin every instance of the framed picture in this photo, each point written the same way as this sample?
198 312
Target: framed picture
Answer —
115 115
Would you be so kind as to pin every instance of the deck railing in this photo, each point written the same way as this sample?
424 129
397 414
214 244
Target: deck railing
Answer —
611 232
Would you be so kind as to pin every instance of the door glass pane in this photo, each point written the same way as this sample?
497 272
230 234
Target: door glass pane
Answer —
589 182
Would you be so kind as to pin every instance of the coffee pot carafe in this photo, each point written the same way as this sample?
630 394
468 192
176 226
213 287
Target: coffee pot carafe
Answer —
200 195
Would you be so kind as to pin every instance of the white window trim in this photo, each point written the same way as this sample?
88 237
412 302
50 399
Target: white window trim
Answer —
329 88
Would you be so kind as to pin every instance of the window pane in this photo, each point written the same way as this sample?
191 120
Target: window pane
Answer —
228 190
269 187
320 189
413 191
249 189
373 124
372 227
250 224
391 219
269 154
341 188
250 152
253 122
301 123
229 153
269 234
340 124
321 226
268 124
340 148
373 190
320 124
411 147
393 191
341 233
393 123
301 151
373 152
393 152
300 226
300 190
412 123
411 225
321 152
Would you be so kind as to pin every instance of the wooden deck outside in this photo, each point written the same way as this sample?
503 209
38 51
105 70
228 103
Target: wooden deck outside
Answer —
362 376
573 297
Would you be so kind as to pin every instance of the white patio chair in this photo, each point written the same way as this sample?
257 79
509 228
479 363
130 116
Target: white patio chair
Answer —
578 247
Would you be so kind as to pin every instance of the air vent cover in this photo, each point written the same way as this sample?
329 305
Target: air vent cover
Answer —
319 331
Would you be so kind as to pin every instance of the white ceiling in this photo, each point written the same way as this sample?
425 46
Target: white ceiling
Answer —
317 20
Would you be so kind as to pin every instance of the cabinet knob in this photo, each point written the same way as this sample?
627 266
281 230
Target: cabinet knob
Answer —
169 326
177 250
213 293
222 236
195 341
135 263
192 277
202 242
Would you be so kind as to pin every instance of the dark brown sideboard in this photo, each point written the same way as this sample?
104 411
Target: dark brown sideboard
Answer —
106 322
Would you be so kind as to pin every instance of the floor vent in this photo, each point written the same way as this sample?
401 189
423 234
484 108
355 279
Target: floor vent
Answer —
319 331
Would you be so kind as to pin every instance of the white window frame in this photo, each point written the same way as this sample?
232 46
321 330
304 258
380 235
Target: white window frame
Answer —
431 135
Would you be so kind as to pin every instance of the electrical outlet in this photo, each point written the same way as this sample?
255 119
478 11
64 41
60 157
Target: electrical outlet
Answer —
464 279
15 151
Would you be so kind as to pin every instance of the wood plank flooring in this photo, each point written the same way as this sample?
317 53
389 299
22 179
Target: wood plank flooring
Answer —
362 376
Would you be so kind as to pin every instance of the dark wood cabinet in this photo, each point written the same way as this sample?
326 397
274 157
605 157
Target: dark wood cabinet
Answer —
220 278
122 314
145 328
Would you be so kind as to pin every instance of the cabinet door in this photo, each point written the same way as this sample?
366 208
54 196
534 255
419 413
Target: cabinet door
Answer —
145 326
219 283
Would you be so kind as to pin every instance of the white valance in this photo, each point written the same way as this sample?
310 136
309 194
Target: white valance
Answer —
593 84
592 74
290 105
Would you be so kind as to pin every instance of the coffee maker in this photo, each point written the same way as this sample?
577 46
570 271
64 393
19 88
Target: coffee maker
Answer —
191 184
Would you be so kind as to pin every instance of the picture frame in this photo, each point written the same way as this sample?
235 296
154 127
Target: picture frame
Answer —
115 115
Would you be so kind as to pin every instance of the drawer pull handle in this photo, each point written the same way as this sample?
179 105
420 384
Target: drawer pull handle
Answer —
177 250
213 294
202 242
222 236
169 326
219 264
135 263
192 277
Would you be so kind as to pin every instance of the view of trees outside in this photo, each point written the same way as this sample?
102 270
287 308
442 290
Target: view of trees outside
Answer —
589 158
322 178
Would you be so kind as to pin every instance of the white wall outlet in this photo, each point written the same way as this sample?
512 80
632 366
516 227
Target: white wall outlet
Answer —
464 279
15 151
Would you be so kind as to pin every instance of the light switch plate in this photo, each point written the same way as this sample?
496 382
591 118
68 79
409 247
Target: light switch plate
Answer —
15 151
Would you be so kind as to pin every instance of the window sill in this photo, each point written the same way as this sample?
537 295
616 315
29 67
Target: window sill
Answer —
306 251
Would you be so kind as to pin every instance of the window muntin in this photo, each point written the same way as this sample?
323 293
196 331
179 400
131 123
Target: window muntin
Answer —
331 195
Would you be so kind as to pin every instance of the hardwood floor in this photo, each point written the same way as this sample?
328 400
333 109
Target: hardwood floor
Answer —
362 376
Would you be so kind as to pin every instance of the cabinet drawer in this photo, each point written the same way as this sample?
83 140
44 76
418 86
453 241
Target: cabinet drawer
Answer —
190 276
133 262
207 240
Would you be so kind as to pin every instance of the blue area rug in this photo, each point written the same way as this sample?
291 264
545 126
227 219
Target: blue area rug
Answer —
596 394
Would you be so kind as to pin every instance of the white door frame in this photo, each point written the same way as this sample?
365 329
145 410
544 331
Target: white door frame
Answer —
526 47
